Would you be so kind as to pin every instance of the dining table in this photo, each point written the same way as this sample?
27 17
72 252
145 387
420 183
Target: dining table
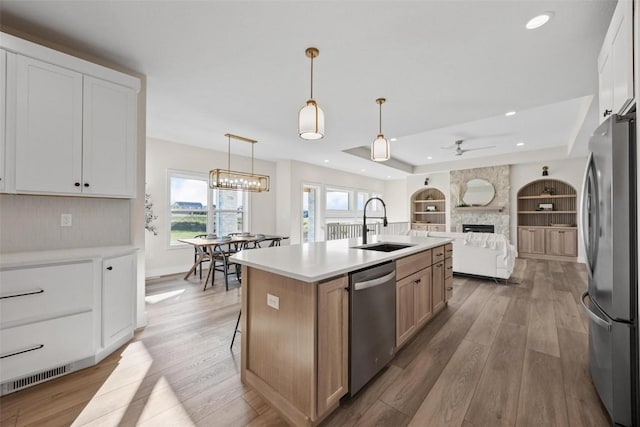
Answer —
205 246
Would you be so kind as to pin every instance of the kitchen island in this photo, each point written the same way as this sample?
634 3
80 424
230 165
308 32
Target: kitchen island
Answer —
295 314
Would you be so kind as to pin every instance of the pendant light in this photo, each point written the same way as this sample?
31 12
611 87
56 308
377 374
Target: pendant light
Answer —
311 117
380 149
226 179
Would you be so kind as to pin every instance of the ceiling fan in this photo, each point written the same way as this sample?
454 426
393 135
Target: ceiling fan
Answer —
460 151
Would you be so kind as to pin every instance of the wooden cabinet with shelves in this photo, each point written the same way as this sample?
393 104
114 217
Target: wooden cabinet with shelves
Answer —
428 210
547 210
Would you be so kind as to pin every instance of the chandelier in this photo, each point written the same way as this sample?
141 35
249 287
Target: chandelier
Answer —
226 179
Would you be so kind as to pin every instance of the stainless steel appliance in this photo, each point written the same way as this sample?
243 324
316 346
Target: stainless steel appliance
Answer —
372 322
608 223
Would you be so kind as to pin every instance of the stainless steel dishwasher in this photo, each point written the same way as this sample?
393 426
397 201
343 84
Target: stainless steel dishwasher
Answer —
372 322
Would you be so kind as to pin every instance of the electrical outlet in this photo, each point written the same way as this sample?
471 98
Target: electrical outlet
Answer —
65 220
273 301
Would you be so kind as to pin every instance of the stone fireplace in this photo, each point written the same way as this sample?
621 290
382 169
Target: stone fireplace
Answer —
496 213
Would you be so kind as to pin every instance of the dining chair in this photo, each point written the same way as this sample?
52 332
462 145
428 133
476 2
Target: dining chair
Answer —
220 262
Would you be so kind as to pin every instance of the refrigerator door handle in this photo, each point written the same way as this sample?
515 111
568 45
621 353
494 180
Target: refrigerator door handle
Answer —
589 193
603 323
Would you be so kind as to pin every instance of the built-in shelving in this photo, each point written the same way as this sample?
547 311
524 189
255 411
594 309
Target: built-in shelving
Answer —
547 220
428 210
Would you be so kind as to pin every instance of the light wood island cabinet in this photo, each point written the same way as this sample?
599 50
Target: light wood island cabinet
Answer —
295 343
295 332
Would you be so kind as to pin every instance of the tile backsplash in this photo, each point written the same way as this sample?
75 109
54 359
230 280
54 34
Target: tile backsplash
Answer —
31 223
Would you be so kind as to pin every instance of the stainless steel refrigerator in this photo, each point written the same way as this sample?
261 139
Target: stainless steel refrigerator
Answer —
608 222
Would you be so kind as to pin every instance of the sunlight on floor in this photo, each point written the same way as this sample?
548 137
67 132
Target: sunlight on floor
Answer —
164 408
119 389
153 299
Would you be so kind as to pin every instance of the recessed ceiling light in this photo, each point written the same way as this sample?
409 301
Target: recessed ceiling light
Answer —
393 139
326 161
363 170
539 21
388 176
510 113
520 144
429 157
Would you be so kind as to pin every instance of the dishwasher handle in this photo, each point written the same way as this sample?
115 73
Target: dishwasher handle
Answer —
358 286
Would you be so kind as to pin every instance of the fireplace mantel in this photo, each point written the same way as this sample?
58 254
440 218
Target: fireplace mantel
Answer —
478 208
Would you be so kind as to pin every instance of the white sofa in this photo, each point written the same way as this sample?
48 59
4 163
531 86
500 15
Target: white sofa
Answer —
480 254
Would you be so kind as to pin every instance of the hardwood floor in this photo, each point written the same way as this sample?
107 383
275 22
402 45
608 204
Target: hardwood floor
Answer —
498 355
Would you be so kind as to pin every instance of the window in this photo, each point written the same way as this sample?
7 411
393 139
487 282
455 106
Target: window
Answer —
188 206
338 200
228 212
196 209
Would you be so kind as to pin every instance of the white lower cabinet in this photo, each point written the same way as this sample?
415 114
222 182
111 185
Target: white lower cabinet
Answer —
60 316
45 345
118 290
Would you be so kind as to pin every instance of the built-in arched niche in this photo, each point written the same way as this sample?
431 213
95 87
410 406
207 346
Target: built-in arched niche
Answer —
428 210
547 220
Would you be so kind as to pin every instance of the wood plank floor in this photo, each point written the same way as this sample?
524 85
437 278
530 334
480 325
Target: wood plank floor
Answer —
498 355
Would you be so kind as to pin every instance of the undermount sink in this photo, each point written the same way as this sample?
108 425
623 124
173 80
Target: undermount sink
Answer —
383 247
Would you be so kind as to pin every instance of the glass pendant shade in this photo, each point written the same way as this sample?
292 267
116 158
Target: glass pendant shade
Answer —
380 149
311 121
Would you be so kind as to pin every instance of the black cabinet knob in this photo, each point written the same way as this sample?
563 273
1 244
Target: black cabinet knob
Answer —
607 112
86 184
110 268
77 184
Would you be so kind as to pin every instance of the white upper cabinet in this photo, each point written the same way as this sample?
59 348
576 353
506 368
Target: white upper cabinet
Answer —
615 63
3 127
109 139
71 126
48 128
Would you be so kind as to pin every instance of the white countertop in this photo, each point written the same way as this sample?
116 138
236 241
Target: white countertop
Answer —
19 259
312 262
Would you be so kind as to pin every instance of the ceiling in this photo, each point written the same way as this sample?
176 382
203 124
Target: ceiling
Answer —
448 69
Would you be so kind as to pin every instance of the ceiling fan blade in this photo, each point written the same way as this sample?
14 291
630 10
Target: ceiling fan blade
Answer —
479 148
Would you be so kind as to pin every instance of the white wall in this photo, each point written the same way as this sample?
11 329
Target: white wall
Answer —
395 196
300 173
439 180
570 171
165 155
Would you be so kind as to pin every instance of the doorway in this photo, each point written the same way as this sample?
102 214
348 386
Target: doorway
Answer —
310 202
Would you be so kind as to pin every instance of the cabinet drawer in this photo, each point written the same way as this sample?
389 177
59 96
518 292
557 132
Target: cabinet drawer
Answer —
44 345
44 291
448 288
438 254
448 268
420 227
412 263
448 250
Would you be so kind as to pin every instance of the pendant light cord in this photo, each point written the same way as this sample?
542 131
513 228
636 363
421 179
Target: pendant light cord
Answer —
311 77
380 119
